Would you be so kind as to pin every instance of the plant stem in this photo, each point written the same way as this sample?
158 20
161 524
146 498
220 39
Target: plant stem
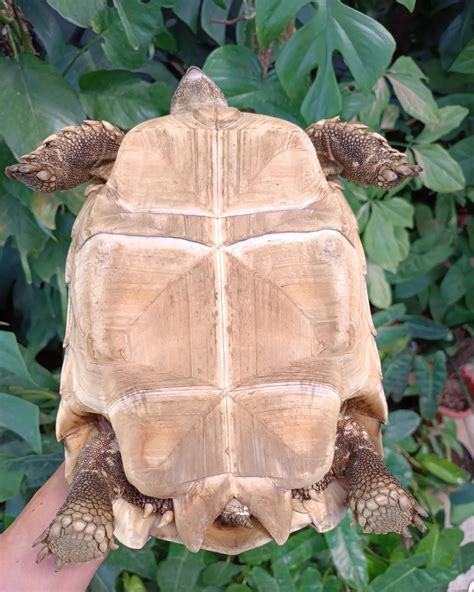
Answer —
83 49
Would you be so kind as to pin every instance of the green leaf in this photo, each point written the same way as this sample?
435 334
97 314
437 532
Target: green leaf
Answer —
188 12
238 72
310 581
18 222
399 211
262 581
132 583
440 173
210 12
139 561
372 115
123 98
347 553
402 576
10 477
365 45
442 468
37 96
464 63
11 360
401 423
391 337
396 369
272 16
220 573
84 13
379 238
384 317
408 4
449 119
144 21
21 417
398 465
415 98
462 152
378 288
441 545
422 328
430 380
180 571
455 282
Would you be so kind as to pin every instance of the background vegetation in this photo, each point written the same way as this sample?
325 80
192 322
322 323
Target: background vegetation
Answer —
403 69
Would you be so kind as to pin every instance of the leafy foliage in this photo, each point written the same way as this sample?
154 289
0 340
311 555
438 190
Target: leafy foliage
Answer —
390 66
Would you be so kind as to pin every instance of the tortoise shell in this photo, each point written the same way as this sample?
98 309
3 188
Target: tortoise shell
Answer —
219 320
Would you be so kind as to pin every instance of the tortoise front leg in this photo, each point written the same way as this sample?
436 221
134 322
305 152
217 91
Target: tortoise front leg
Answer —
359 155
378 501
84 525
69 158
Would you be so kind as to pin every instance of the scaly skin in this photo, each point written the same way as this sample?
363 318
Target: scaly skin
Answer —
84 525
378 501
359 155
73 156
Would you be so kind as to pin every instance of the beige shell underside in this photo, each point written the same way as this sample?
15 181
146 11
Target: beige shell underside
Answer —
218 317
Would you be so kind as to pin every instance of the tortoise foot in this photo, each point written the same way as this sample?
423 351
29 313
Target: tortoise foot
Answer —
386 507
38 176
394 172
76 534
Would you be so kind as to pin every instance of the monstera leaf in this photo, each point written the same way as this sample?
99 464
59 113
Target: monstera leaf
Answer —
365 45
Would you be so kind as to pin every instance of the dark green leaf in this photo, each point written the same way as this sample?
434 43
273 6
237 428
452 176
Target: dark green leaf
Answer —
123 98
211 12
396 369
180 571
421 328
310 581
262 581
346 549
37 96
401 423
398 465
220 573
462 153
10 477
139 561
22 417
404 575
464 63
11 360
430 380
385 317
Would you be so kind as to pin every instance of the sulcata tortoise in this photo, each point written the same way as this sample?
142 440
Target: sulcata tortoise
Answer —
221 385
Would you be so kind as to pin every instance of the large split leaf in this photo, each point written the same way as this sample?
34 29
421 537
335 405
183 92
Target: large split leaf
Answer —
128 33
36 102
272 16
366 46
238 72
22 417
123 98
84 13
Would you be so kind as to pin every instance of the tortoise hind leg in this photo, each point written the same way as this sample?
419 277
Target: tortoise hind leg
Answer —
378 501
359 155
84 525
69 158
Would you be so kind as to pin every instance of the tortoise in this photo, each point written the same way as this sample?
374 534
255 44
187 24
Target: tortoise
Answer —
221 385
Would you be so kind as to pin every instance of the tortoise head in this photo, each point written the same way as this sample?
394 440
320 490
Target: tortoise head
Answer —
197 91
